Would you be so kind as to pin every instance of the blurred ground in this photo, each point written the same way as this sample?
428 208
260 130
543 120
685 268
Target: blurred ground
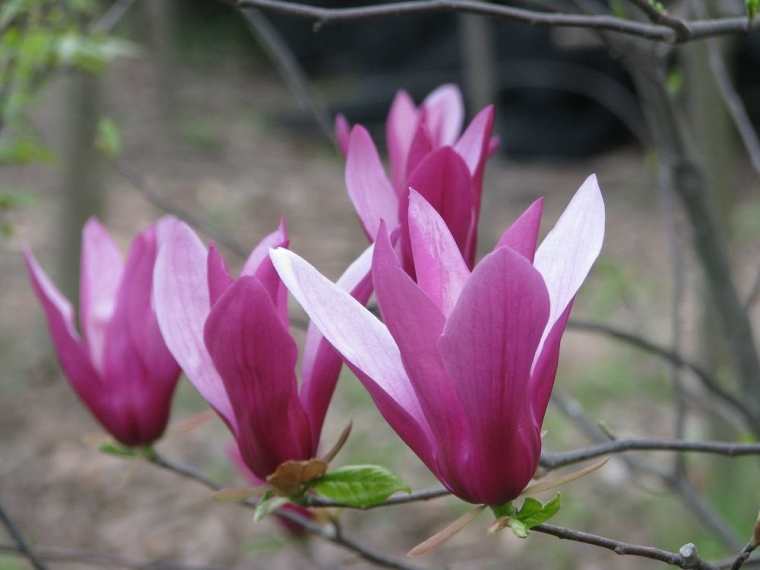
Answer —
231 165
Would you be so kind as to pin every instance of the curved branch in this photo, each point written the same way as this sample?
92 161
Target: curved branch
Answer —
22 547
653 31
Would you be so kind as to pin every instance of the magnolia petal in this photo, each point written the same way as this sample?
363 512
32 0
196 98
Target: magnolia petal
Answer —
416 324
445 114
439 266
265 272
342 133
71 351
256 357
260 254
218 276
182 304
321 363
522 235
422 145
363 342
567 253
368 187
443 179
399 132
545 368
488 346
100 275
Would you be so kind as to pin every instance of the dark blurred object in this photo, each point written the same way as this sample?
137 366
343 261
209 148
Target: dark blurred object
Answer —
558 93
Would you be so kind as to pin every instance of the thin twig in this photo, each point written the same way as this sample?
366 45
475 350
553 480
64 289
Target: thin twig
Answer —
22 546
111 18
289 68
327 533
754 292
562 459
734 103
625 548
710 383
139 184
744 555
659 15
322 16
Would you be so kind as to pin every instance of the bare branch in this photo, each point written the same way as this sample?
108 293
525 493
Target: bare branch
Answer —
562 459
734 104
710 383
743 556
111 18
22 547
657 14
688 559
327 533
322 16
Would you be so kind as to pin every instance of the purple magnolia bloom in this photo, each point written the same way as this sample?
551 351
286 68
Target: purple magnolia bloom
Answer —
121 370
427 152
465 363
232 339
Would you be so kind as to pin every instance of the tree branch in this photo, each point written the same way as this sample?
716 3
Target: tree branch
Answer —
653 31
22 547
326 533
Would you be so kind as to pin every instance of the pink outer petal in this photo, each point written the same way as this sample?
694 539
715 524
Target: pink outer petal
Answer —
72 354
416 324
445 114
256 357
364 343
100 275
474 147
488 347
545 369
399 132
441 271
218 276
182 304
321 363
443 179
368 187
342 133
567 253
422 145
139 370
265 272
522 235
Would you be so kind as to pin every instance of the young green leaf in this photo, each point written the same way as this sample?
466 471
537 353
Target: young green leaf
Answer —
533 513
519 528
114 448
267 505
359 485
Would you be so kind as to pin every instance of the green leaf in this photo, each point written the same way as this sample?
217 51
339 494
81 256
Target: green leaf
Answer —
267 505
108 138
533 513
359 485
114 448
520 530
23 151
505 510
752 7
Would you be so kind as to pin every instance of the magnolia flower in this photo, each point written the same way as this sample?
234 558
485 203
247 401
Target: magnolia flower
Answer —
426 153
121 370
232 339
465 363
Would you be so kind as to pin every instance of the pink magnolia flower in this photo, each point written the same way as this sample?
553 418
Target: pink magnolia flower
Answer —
121 370
232 339
464 365
426 153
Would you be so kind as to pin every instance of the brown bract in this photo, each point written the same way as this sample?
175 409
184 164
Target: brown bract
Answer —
290 476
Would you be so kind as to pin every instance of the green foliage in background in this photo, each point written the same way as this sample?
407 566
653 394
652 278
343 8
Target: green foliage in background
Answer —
39 38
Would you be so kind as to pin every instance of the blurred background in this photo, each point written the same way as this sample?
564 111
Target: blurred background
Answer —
129 110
